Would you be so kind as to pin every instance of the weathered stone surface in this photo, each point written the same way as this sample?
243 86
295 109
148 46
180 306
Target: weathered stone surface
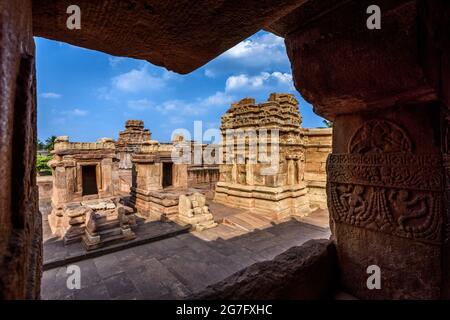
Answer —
305 272
387 181
342 46
385 188
179 35
20 220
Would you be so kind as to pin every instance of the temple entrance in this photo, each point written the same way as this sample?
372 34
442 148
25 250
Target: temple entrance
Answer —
167 174
89 178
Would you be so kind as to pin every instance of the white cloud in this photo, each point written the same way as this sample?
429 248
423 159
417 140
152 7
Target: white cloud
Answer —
264 46
137 80
105 93
200 106
285 78
176 120
171 105
50 95
263 51
76 112
210 73
140 104
217 99
263 81
114 61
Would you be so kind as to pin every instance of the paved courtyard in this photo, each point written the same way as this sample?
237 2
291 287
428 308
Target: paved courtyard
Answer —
179 266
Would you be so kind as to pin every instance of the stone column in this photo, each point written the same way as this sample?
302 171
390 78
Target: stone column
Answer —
250 172
180 175
20 220
387 92
291 179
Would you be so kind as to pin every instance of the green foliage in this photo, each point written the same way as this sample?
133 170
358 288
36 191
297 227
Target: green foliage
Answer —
328 124
40 145
49 143
41 163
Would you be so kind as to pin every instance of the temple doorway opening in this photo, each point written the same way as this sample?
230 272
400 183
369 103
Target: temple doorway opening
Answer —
167 174
89 177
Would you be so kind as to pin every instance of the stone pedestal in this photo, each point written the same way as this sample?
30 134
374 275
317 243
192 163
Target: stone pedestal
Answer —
387 92
107 224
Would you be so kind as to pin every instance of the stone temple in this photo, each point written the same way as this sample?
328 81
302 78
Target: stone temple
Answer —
387 92
101 189
99 185
247 180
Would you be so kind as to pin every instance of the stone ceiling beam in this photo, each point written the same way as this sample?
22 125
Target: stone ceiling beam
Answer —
341 67
180 35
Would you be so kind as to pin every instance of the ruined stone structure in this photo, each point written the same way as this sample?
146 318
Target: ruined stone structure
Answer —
129 142
107 222
275 186
193 210
158 182
82 171
106 170
386 90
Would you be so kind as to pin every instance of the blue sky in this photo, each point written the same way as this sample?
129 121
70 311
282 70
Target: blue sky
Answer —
87 94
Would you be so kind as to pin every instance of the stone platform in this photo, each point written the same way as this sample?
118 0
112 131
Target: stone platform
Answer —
57 254
276 202
162 204
176 267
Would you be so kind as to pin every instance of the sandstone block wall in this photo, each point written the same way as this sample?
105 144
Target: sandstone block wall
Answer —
317 148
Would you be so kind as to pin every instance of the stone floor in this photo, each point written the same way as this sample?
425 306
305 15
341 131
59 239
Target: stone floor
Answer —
176 267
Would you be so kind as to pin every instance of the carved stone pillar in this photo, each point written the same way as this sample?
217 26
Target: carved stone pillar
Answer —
250 172
385 193
387 93
291 179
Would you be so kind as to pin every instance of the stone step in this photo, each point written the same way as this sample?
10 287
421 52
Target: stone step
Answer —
108 225
247 221
110 232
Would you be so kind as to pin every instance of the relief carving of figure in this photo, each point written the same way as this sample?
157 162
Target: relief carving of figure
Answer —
353 199
408 207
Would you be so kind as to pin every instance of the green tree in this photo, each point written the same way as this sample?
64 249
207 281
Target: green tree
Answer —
328 124
40 145
50 143
41 164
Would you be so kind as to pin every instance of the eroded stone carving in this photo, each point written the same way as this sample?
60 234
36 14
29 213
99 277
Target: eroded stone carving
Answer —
193 210
382 185
379 136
